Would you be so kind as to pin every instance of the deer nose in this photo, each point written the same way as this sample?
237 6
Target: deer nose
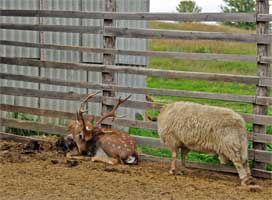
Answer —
81 136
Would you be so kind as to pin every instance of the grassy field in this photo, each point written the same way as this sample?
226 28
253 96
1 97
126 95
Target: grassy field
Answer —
240 68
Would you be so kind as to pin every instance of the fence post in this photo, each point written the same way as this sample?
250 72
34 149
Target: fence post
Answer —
262 7
108 59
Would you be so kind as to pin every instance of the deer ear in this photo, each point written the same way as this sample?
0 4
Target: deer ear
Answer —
71 125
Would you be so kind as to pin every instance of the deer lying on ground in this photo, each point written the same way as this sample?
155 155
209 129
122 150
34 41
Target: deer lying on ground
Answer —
106 145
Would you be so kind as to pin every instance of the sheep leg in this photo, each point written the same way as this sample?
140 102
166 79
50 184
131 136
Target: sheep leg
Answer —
223 159
246 166
242 172
111 161
184 152
248 179
174 161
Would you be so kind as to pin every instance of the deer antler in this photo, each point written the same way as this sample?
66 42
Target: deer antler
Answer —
83 110
112 113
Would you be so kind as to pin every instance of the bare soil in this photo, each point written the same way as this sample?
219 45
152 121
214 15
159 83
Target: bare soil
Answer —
45 174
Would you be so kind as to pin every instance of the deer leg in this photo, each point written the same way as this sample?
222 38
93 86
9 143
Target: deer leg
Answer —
74 154
174 161
111 161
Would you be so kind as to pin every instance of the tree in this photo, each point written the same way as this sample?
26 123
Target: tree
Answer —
188 6
240 6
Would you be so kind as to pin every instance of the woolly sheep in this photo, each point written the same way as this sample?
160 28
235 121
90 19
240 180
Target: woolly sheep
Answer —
205 129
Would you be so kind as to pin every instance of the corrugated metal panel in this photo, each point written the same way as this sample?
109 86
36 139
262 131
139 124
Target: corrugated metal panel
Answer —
132 43
270 12
15 35
72 39
131 80
21 70
96 41
22 101
92 40
121 43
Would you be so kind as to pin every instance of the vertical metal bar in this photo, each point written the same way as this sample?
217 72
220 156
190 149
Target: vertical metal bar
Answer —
108 59
41 50
262 7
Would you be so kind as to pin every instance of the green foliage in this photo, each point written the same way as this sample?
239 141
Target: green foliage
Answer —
18 131
188 6
142 132
166 153
240 6
269 167
139 117
201 50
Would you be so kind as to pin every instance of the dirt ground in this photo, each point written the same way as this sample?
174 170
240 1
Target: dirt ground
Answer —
45 174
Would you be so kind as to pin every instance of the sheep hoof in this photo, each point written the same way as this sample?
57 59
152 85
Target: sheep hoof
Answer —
175 172
254 188
249 183
180 173
172 171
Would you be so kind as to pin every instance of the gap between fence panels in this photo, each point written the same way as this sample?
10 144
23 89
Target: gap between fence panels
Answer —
138 71
73 96
115 88
264 81
144 33
163 54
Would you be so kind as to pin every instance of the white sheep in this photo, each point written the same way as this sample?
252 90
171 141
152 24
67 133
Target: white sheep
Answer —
205 129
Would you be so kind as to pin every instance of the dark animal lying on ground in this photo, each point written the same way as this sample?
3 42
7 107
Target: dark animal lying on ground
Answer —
66 144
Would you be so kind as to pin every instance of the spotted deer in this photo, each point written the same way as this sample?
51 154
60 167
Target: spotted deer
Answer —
106 145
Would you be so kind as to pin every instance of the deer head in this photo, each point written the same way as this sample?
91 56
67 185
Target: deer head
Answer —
83 130
81 126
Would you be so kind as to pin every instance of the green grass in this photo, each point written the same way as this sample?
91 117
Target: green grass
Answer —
26 117
222 67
